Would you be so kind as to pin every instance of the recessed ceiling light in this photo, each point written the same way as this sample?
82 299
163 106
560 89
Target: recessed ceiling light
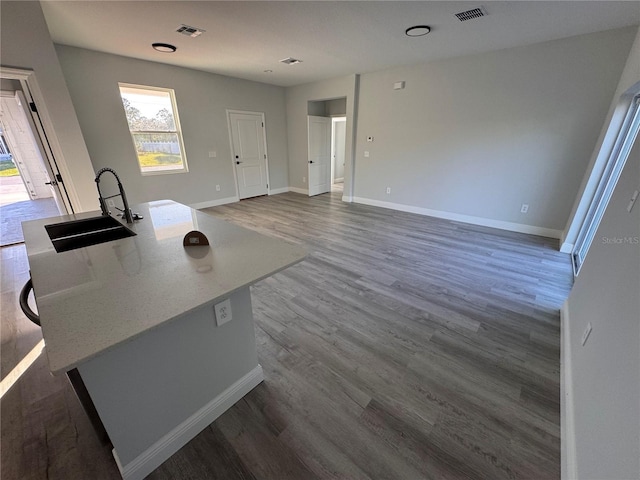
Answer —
163 47
417 31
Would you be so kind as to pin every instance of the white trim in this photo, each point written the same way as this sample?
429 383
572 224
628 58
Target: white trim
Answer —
276 191
486 222
214 203
566 247
569 467
176 121
347 198
303 191
154 456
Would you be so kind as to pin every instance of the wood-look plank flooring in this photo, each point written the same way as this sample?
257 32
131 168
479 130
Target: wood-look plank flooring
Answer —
403 347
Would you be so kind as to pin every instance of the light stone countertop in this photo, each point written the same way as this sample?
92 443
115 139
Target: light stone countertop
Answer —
94 298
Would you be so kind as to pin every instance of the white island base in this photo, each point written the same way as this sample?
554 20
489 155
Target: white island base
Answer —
159 390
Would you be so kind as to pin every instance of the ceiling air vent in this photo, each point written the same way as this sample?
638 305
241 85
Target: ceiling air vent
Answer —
290 61
471 14
192 32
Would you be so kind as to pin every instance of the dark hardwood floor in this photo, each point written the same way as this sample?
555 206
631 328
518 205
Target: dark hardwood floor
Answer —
403 347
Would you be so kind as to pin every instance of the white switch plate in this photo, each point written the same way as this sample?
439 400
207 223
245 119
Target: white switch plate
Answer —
223 312
524 208
586 333
217 188
388 190
366 154
369 139
212 154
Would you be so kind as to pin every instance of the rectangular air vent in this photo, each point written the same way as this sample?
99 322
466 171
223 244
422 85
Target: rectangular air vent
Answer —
470 14
192 32
290 61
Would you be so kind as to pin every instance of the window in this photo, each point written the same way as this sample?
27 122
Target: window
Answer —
604 191
155 128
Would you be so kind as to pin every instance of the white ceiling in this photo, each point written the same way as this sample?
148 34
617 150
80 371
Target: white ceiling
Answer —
332 38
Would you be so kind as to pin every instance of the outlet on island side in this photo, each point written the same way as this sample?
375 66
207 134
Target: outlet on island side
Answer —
223 312
217 188
388 190
524 208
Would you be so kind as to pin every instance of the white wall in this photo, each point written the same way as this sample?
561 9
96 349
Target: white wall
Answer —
202 99
25 43
297 99
603 378
478 136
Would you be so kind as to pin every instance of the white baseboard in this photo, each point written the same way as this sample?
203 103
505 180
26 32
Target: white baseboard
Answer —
486 222
173 441
276 191
347 198
214 203
299 190
567 419
566 247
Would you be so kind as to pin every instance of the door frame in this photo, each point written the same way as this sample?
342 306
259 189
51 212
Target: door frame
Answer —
264 139
55 162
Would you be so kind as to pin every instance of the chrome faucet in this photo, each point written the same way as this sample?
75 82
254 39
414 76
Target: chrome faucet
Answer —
126 213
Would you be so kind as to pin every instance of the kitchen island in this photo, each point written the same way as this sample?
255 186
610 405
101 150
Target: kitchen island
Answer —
136 318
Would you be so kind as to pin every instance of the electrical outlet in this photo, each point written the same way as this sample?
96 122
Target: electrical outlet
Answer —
366 154
111 203
217 188
586 333
223 312
304 179
524 208
388 190
212 154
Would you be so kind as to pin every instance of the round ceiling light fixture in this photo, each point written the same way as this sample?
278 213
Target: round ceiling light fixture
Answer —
164 47
417 31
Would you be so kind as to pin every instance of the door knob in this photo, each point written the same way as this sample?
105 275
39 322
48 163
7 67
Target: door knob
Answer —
237 162
237 156
310 161
53 183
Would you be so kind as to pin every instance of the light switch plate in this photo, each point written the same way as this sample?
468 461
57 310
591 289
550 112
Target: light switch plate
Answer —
223 312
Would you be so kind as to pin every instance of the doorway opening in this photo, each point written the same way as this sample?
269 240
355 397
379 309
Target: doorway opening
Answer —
326 138
338 151
27 191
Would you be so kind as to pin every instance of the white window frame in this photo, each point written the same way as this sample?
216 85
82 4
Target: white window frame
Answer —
177 132
613 169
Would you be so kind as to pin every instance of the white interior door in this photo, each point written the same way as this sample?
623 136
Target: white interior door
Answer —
319 155
249 153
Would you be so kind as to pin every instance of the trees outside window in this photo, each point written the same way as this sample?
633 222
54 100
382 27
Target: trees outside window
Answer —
155 128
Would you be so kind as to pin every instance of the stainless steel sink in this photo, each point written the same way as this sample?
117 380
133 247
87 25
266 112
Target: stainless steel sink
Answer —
74 234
